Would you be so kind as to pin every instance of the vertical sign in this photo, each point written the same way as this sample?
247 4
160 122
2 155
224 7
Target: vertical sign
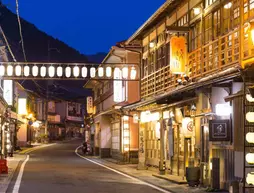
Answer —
118 86
178 54
22 106
89 105
8 91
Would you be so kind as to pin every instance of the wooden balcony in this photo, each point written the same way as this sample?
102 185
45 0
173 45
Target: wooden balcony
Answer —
216 56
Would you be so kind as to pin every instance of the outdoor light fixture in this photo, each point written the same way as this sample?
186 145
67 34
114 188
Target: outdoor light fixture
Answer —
2 70
59 71
100 71
108 72
125 72
92 72
68 72
18 70
51 71
84 72
133 73
35 70
250 117
43 71
125 118
9 70
197 10
250 158
228 5
249 98
250 178
26 71
151 44
166 115
179 81
76 71
250 137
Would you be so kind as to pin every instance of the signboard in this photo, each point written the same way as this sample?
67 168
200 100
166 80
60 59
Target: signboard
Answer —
178 54
74 109
8 92
89 105
188 126
51 107
22 106
118 86
219 130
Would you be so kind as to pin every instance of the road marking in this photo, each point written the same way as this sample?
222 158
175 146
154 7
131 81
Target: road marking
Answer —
121 173
19 178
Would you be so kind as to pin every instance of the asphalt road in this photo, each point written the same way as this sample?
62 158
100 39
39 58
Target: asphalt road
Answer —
58 169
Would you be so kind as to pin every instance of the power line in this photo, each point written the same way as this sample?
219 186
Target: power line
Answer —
8 45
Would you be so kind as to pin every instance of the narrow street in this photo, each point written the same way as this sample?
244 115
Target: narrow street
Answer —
58 169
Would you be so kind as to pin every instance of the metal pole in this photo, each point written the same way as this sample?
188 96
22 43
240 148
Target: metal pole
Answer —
162 156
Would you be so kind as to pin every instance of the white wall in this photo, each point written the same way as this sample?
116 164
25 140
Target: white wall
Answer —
105 132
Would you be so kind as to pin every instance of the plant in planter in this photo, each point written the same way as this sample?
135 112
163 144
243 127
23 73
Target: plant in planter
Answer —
193 176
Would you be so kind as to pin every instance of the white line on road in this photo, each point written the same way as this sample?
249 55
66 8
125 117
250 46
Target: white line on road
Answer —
121 173
19 178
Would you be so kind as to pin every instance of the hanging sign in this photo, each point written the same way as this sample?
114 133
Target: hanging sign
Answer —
118 86
89 105
188 126
8 91
178 54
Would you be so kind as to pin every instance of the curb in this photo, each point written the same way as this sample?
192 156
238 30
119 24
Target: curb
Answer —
170 180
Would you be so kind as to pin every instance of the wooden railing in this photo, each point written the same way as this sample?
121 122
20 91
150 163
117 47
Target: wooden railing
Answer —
213 57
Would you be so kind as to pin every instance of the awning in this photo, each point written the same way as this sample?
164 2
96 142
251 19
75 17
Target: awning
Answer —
108 112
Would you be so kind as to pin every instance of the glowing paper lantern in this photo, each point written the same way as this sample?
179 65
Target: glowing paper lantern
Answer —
18 70
92 72
100 71
26 71
59 71
9 70
51 71
76 71
68 72
133 73
250 178
250 137
2 70
250 158
84 72
43 71
108 72
250 117
249 98
35 70
125 72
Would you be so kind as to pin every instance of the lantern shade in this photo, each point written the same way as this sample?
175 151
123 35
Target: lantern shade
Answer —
26 71
43 71
9 70
250 158
92 72
250 137
100 71
250 117
18 70
2 70
108 72
125 72
51 71
35 70
59 71
133 73
250 178
249 98
76 71
68 71
84 72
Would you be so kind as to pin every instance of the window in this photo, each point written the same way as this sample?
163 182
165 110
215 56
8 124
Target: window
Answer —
145 67
195 36
151 64
209 2
208 28
216 24
227 23
183 20
161 55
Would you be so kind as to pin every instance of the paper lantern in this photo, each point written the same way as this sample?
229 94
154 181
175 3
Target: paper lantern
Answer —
84 72
125 72
26 71
250 178
68 72
43 71
100 71
59 71
250 117
249 98
250 158
250 137
35 70
108 72
9 70
51 71
92 72
2 70
18 70
76 71
133 73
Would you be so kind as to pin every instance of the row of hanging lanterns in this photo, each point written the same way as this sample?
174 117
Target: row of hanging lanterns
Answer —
60 71
250 139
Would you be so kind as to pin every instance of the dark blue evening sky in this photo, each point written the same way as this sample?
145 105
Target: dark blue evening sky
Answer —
89 26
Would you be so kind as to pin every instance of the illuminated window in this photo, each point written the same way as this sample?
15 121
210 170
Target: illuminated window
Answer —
209 2
195 38
216 24
208 28
227 19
